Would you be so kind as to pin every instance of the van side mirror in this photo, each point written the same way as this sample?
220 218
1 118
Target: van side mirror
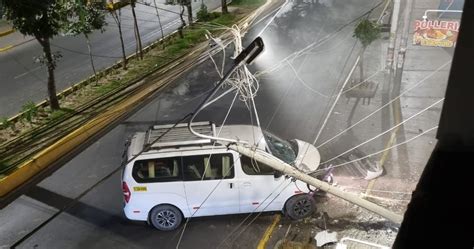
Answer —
277 174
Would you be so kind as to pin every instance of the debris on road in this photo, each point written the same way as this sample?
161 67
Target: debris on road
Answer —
325 237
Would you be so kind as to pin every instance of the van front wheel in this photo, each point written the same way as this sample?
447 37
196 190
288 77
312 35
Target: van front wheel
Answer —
300 207
165 217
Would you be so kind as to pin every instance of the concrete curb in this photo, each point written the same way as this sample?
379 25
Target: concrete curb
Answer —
5 33
6 48
60 148
90 79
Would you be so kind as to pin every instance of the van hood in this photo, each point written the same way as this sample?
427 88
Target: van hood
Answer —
308 157
246 133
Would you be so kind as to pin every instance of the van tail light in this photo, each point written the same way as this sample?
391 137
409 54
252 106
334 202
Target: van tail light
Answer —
126 192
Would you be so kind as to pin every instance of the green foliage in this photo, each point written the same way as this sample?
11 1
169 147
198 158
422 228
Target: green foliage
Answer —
103 89
83 18
367 31
59 114
5 123
41 19
226 19
204 16
247 3
29 111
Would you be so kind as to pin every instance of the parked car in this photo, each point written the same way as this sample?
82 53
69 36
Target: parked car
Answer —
182 175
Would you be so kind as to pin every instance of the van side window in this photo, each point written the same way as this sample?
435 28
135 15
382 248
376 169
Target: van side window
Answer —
157 170
252 167
208 167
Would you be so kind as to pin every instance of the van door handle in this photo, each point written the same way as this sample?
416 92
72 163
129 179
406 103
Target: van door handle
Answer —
231 185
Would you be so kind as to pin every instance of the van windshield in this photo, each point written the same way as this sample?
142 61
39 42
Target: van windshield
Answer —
280 148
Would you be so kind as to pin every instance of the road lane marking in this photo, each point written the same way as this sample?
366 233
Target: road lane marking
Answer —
25 73
266 236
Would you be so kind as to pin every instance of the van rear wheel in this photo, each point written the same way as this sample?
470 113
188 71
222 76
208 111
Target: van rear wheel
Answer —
300 207
165 217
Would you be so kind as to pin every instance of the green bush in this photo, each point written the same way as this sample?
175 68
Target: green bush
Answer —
5 123
29 111
203 14
367 31
58 114
248 3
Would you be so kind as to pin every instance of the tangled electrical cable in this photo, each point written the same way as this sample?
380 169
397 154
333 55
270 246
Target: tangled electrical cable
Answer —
242 79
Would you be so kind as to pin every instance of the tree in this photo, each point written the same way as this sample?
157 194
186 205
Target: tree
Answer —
224 7
159 21
43 20
183 23
366 32
84 18
187 4
135 28
118 20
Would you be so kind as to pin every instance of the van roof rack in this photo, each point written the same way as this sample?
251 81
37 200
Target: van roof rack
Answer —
180 135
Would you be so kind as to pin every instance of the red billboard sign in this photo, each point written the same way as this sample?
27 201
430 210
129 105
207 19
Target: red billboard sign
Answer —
436 33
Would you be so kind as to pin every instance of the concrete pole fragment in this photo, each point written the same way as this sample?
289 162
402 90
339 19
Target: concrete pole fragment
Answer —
293 172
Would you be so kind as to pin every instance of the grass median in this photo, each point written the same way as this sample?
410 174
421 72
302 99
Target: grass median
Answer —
35 121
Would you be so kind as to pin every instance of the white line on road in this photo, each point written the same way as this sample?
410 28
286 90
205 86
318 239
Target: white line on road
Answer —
25 73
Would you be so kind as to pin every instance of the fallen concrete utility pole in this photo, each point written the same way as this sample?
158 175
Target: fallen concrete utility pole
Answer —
275 163
389 65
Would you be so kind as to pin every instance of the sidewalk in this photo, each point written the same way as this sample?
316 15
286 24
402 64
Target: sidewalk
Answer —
404 164
430 66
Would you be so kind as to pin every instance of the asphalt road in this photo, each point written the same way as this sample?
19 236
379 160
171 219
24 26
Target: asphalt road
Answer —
288 105
24 80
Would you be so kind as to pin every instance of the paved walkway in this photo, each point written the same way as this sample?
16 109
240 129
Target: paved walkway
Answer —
427 66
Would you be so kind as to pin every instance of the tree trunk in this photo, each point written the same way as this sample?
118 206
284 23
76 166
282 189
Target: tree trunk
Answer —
90 57
118 21
53 98
137 31
159 22
224 7
183 23
361 66
190 12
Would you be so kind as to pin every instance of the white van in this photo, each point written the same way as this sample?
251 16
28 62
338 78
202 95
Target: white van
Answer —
183 176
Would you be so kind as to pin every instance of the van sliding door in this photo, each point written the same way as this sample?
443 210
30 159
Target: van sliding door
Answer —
209 182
